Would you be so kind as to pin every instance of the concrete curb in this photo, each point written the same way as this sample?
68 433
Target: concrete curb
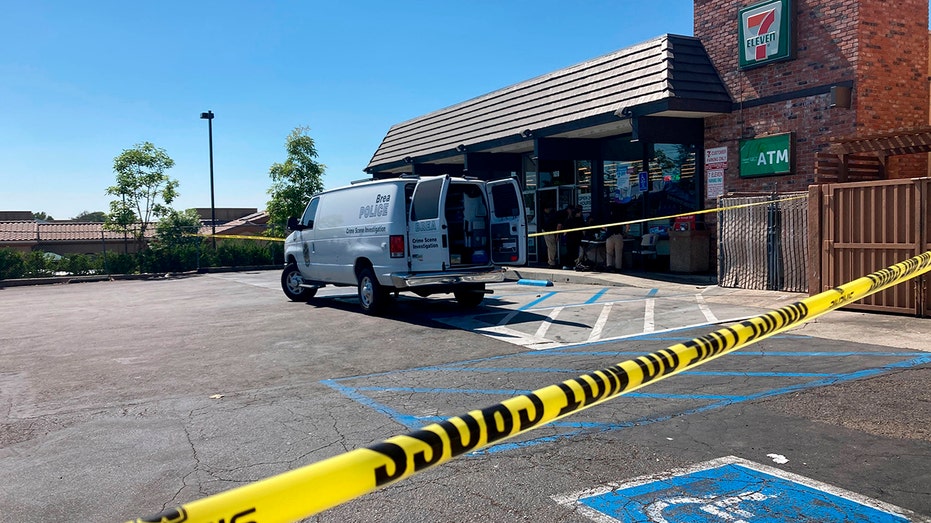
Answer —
53 280
607 278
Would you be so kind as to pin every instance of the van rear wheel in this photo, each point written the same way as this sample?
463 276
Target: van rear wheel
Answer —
372 296
469 299
291 281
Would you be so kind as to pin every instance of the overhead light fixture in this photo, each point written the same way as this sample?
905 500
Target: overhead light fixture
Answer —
840 96
408 159
526 133
461 147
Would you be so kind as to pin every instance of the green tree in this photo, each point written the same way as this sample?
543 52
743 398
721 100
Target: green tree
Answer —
42 217
143 189
12 264
294 181
178 228
176 246
87 216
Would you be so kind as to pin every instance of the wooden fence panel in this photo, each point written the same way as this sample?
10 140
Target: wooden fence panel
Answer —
871 225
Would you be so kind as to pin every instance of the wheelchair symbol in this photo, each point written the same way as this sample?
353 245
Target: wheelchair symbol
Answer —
726 509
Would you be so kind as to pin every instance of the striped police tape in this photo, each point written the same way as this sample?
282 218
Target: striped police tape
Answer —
669 217
561 231
308 490
238 237
244 237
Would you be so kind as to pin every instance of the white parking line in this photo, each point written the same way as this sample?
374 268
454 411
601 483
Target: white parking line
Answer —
704 309
508 317
648 325
545 324
600 324
501 333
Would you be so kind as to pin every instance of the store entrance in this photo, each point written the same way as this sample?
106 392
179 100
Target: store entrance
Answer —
558 198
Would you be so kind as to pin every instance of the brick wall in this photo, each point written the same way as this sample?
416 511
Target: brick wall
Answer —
892 83
881 46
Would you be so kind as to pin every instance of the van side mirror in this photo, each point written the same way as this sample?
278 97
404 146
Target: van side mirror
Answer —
293 224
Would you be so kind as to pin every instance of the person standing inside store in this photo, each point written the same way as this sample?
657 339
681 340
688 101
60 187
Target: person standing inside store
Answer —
614 243
573 238
549 223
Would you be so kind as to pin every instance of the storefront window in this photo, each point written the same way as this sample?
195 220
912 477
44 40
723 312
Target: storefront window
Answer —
583 181
621 181
673 182
666 186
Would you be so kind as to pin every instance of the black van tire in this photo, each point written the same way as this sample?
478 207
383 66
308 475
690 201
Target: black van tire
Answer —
372 296
469 299
290 283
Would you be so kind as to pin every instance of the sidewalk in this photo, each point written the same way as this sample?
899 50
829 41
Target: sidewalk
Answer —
595 277
880 329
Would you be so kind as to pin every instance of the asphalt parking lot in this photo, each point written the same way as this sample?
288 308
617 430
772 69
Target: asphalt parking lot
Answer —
124 398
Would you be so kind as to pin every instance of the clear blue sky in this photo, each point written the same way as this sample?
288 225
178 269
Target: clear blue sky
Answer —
82 81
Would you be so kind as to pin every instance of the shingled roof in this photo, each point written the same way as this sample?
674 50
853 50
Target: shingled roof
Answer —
670 75
33 231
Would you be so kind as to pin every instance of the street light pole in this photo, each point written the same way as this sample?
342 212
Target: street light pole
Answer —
213 211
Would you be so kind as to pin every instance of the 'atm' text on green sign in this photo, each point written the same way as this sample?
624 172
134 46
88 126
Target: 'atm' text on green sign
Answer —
766 156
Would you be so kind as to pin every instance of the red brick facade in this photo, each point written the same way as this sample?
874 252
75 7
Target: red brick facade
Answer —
880 46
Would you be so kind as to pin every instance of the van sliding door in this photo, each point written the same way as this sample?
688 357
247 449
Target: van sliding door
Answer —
429 243
508 226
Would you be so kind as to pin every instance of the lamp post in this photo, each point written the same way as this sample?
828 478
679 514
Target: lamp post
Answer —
213 211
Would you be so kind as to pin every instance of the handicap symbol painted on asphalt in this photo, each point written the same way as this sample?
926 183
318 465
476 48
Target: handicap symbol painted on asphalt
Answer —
729 490
724 509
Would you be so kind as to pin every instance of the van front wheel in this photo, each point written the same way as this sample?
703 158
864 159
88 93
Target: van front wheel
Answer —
291 281
372 297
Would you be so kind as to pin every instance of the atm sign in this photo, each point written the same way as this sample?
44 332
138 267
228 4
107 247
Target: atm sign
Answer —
766 156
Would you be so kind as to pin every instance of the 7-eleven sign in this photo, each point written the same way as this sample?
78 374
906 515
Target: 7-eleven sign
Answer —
766 33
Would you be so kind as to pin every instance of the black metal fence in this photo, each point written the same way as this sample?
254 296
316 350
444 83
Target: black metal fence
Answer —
764 246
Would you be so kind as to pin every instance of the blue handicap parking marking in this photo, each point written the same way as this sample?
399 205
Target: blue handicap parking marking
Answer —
451 388
731 490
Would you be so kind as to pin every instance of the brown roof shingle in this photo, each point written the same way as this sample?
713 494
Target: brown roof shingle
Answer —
672 70
31 231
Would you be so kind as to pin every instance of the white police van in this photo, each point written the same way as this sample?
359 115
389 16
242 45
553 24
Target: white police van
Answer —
426 235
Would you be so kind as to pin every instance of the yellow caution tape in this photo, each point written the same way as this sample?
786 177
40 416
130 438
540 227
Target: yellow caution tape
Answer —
241 237
237 237
669 217
561 231
306 491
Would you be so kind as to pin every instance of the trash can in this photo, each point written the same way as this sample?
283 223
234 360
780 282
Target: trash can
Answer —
689 251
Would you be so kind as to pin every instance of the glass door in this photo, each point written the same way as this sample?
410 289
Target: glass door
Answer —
558 197
530 208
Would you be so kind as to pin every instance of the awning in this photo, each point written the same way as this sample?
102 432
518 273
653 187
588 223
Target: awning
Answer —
670 75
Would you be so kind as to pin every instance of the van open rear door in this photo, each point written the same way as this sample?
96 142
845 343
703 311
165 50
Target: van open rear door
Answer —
429 243
508 224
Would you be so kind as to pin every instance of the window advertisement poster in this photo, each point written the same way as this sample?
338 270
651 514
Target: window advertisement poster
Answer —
585 201
715 165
